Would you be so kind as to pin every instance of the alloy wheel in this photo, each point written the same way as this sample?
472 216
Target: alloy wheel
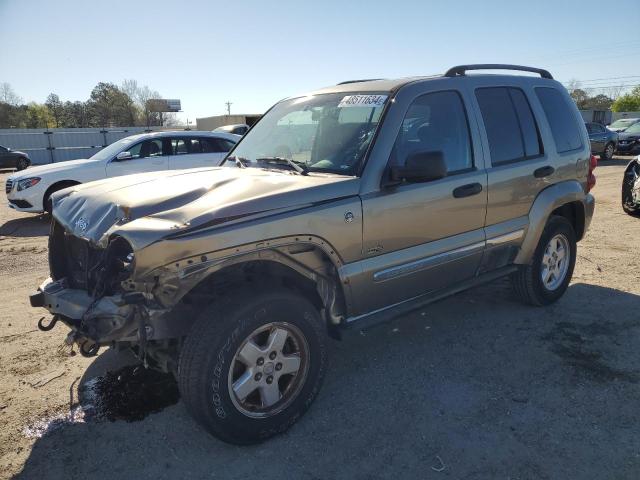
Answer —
555 262
268 370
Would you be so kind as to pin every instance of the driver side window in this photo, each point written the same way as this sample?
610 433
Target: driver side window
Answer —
436 122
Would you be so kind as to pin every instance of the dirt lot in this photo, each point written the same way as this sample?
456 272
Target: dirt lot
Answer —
477 386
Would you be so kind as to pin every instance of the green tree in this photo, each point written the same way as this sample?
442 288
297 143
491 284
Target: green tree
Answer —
38 116
56 109
599 102
629 102
109 106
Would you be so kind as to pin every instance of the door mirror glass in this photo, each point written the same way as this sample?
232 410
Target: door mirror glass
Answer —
123 156
422 166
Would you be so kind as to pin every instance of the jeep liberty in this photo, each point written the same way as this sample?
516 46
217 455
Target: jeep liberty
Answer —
339 209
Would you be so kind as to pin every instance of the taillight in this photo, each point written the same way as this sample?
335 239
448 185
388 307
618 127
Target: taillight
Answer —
591 178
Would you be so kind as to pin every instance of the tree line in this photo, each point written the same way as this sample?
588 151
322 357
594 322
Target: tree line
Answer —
586 100
108 105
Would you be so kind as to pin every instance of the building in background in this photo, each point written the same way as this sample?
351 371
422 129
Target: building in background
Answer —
211 123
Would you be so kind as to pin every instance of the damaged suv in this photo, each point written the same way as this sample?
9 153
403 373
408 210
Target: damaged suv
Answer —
339 209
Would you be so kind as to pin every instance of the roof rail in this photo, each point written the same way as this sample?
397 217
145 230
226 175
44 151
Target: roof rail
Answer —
358 81
460 70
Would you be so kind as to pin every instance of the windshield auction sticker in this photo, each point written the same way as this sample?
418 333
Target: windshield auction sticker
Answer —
362 101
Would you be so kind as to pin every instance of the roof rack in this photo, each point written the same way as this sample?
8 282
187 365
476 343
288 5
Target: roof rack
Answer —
460 70
358 81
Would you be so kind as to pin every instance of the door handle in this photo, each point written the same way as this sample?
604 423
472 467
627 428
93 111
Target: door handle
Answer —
467 190
544 171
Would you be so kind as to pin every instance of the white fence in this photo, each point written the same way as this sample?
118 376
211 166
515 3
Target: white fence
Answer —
60 144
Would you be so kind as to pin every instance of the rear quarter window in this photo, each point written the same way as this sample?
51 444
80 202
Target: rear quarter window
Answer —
561 119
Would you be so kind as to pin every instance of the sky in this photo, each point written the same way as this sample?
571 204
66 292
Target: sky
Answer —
254 53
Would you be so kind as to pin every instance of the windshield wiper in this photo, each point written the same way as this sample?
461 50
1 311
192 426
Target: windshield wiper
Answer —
299 167
239 161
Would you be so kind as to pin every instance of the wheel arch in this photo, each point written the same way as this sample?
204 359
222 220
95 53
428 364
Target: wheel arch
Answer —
54 187
566 199
303 268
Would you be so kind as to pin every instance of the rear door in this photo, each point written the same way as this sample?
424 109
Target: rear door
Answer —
194 152
596 137
146 156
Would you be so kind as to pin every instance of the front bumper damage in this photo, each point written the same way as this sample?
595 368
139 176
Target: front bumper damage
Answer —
122 318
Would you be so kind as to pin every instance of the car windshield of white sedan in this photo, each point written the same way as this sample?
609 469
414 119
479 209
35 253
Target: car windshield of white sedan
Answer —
635 128
623 123
322 133
112 150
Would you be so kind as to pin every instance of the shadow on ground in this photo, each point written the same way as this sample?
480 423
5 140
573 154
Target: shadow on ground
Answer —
34 226
476 386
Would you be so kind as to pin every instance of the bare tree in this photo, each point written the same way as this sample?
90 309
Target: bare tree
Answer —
7 95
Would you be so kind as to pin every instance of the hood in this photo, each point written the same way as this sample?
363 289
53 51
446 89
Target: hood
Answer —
50 168
146 207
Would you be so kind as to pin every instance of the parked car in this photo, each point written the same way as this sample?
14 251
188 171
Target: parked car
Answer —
13 159
631 188
603 142
629 139
31 191
411 190
622 124
237 129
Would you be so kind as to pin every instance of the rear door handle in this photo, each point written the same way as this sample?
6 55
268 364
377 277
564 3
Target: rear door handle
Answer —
467 190
544 171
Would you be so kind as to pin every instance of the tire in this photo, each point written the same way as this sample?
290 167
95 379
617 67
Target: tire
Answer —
212 364
22 164
528 283
628 181
607 153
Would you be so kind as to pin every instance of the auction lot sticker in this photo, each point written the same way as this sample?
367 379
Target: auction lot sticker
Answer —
362 101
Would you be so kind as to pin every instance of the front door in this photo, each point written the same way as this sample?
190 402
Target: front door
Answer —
146 156
422 237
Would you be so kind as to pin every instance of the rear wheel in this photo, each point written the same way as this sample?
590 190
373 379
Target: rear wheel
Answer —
22 163
547 277
251 367
608 152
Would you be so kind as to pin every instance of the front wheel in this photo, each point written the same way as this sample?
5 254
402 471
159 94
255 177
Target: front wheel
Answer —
630 202
250 368
547 277
608 152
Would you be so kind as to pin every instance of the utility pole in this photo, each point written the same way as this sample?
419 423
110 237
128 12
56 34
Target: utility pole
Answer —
228 104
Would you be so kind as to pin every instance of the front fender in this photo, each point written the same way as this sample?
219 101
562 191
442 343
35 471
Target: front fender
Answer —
545 203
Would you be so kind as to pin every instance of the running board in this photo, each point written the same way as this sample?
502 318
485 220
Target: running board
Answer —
368 320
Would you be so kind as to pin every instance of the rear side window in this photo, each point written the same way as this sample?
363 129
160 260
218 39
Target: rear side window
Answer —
511 128
564 127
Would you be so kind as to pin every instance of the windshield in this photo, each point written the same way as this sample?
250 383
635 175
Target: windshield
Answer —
323 133
622 123
635 128
112 150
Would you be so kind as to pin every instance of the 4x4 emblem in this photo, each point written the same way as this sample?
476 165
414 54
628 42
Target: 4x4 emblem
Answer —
348 217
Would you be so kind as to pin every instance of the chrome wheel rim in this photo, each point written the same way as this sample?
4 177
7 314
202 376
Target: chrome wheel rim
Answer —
268 370
555 262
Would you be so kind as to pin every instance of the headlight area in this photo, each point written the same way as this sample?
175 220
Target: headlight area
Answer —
115 266
27 183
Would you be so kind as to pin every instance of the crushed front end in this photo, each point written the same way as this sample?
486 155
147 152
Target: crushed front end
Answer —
86 291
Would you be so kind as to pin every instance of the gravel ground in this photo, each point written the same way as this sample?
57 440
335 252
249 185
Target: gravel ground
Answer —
476 386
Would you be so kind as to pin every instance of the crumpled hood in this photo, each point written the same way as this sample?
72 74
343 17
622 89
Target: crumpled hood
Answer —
146 207
50 168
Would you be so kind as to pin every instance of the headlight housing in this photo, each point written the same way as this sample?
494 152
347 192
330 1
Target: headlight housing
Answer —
27 183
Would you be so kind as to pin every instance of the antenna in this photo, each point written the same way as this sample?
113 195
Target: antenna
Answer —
228 104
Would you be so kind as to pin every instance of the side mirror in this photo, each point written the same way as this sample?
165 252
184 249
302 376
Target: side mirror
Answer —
123 156
424 166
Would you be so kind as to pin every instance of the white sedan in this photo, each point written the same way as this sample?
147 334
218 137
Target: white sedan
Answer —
30 189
